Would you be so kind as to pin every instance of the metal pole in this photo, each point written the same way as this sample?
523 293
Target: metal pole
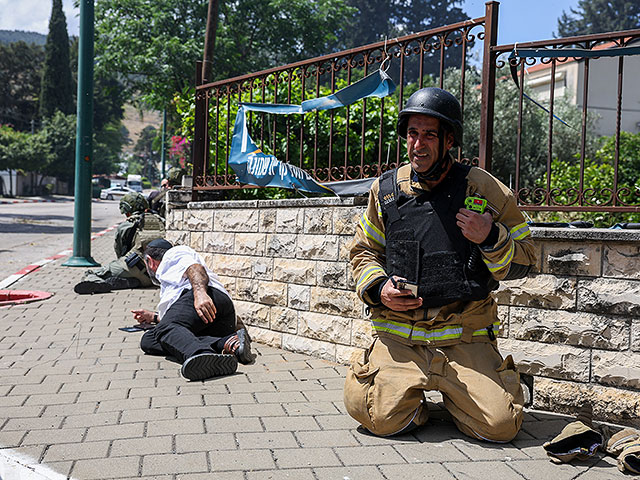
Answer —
198 155
209 41
488 85
164 136
84 146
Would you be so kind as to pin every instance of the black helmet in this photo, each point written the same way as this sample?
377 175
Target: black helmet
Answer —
437 103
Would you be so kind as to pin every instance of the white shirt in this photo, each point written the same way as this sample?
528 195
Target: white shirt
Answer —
173 281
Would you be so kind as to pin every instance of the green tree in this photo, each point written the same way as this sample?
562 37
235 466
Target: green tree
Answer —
378 19
628 157
109 98
57 85
107 146
598 182
20 74
58 137
153 47
598 16
535 125
147 151
259 34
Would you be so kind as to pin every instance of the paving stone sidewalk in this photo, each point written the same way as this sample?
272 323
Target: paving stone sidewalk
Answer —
78 399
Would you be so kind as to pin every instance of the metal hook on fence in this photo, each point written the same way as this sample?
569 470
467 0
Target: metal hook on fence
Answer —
387 57
514 52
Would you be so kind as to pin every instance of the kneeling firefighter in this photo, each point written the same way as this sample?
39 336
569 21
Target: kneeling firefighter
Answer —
435 239
132 237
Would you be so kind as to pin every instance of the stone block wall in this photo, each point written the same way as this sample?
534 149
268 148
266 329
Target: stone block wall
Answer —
574 323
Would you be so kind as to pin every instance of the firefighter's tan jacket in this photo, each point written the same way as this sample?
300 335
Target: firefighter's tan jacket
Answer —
459 321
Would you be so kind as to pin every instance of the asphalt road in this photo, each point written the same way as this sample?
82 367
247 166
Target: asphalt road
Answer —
30 232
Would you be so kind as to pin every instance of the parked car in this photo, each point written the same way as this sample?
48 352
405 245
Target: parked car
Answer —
114 193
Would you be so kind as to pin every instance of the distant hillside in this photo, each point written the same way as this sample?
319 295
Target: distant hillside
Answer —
11 36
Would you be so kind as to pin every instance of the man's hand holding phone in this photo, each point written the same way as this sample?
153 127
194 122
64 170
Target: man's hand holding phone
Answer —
400 295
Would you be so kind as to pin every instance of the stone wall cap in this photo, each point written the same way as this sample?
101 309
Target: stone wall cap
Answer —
597 234
217 204
283 203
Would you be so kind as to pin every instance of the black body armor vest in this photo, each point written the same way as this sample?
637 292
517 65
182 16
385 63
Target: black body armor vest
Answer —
424 244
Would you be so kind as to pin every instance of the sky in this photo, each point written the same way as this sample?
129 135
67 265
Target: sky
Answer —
519 20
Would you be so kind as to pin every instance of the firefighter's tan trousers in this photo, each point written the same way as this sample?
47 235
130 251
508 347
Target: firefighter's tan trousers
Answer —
480 389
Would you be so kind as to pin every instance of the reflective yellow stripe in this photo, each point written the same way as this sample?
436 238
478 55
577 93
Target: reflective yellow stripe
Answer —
368 273
389 326
520 231
404 330
506 260
371 231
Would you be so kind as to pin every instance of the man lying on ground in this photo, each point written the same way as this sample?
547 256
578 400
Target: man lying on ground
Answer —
196 317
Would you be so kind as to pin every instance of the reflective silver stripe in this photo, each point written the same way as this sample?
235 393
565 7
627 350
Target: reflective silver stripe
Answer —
371 231
506 260
397 328
368 273
520 231
404 330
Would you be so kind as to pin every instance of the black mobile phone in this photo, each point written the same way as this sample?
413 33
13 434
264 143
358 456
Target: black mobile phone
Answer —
404 285
137 328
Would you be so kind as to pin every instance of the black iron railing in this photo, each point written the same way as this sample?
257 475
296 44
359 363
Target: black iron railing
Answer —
575 62
359 141
356 142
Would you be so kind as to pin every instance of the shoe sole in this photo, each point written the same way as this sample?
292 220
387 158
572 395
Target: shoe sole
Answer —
208 365
86 288
244 350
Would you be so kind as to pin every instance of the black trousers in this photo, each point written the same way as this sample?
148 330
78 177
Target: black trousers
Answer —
182 333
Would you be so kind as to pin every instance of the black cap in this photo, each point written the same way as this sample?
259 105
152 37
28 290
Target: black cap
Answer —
160 243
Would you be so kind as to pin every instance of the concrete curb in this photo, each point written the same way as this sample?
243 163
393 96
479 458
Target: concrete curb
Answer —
12 201
11 279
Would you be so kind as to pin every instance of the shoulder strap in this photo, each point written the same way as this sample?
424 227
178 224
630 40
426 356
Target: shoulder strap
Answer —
388 195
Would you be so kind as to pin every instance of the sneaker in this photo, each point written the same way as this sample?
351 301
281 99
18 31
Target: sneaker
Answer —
207 365
240 346
86 287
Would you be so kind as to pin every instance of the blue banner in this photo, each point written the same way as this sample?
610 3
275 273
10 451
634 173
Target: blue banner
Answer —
254 167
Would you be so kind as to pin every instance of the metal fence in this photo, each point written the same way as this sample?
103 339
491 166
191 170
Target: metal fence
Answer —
604 180
359 141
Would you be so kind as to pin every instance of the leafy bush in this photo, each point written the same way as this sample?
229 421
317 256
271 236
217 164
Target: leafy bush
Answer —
598 182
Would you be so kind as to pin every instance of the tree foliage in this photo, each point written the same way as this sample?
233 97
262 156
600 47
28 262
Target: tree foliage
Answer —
20 73
535 128
380 19
57 85
154 46
283 131
58 136
14 36
151 46
598 180
259 34
598 16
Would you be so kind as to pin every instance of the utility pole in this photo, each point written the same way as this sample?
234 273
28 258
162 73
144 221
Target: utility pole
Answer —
163 173
210 40
84 143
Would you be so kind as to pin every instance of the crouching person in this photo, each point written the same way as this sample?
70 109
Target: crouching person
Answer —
433 242
195 315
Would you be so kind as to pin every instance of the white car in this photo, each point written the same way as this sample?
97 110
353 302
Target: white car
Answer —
115 193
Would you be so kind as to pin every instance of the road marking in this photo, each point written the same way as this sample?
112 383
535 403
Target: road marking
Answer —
11 279
17 466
